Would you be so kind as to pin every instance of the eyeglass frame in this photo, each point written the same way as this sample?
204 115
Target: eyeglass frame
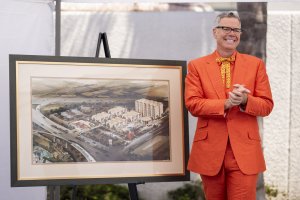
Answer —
229 29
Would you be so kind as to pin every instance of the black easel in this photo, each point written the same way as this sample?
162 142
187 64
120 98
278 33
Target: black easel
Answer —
54 192
131 186
102 36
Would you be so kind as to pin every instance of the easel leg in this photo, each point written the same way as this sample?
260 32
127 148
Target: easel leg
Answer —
133 191
102 36
74 192
54 192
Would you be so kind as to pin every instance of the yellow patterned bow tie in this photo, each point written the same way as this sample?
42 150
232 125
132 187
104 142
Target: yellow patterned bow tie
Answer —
225 69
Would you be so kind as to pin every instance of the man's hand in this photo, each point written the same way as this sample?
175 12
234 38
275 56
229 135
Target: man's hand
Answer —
234 99
238 96
242 92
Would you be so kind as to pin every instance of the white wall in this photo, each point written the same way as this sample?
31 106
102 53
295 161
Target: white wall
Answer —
26 28
149 35
276 127
282 127
294 157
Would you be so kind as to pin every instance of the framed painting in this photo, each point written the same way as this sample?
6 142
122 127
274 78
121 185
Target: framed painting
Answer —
97 120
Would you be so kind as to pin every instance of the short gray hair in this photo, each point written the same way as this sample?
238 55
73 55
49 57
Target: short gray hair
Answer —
227 15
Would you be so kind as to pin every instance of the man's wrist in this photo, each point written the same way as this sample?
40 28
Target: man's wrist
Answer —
243 104
227 104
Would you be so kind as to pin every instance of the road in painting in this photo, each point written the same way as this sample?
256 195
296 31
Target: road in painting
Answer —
98 120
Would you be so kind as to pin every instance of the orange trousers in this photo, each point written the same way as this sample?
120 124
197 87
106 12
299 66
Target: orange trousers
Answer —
230 183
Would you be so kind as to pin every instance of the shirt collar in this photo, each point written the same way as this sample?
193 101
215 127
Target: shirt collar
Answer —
218 55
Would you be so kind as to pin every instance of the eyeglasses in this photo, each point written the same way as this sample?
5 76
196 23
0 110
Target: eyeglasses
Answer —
229 29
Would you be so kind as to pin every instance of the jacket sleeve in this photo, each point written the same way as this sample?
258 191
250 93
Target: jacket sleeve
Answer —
195 100
261 102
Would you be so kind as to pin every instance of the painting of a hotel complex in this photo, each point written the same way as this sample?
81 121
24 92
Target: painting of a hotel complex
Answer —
91 120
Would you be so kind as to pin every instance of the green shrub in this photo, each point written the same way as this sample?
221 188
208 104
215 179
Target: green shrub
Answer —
189 191
96 192
271 191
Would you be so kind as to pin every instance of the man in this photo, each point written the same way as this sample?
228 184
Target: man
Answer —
227 90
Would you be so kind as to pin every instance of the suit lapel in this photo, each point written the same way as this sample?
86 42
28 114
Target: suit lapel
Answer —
213 71
240 70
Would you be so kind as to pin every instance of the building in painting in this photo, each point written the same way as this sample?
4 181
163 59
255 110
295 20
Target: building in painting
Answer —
149 108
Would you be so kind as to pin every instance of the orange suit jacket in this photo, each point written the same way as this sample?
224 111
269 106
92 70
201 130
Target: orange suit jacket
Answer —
205 98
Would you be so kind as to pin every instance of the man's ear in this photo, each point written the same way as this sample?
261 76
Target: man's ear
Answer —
214 32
